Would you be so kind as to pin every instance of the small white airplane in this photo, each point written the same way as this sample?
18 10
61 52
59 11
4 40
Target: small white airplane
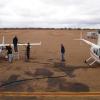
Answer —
92 35
94 50
3 45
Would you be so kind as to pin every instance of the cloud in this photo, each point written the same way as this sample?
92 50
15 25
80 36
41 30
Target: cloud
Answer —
49 13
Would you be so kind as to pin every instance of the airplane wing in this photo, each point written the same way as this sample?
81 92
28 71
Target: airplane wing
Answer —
3 45
31 44
88 42
20 44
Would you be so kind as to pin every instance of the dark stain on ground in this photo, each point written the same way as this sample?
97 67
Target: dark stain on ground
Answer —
17 68
43 72
19 98
74 87
15 87
12 78
7 86
37 62
30 89
53 84
51 98
59 84
29 73
67 69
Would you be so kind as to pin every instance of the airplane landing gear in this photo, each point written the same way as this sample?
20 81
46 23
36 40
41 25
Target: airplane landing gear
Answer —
90 64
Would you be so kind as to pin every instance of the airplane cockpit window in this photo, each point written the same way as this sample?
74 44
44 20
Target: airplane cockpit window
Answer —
95 51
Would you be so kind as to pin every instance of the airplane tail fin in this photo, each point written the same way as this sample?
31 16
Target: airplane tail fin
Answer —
81 37
98 41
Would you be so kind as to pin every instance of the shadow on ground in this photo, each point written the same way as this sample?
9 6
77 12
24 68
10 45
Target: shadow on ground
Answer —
69 69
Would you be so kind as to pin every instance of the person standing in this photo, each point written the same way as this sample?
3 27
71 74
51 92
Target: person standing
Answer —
15 41
9 53
62 52
15 44
27 52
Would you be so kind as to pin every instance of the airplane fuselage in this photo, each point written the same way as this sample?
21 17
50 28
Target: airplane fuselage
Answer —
2 47
95 53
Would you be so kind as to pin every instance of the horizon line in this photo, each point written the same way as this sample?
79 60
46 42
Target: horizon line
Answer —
47 28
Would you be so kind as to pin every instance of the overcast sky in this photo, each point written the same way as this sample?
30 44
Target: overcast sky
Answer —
50 13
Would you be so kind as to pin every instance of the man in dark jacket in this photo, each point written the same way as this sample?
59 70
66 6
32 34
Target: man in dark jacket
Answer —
27 52
15 41
62 52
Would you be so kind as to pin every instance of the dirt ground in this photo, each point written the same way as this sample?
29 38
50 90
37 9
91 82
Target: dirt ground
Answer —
45 72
